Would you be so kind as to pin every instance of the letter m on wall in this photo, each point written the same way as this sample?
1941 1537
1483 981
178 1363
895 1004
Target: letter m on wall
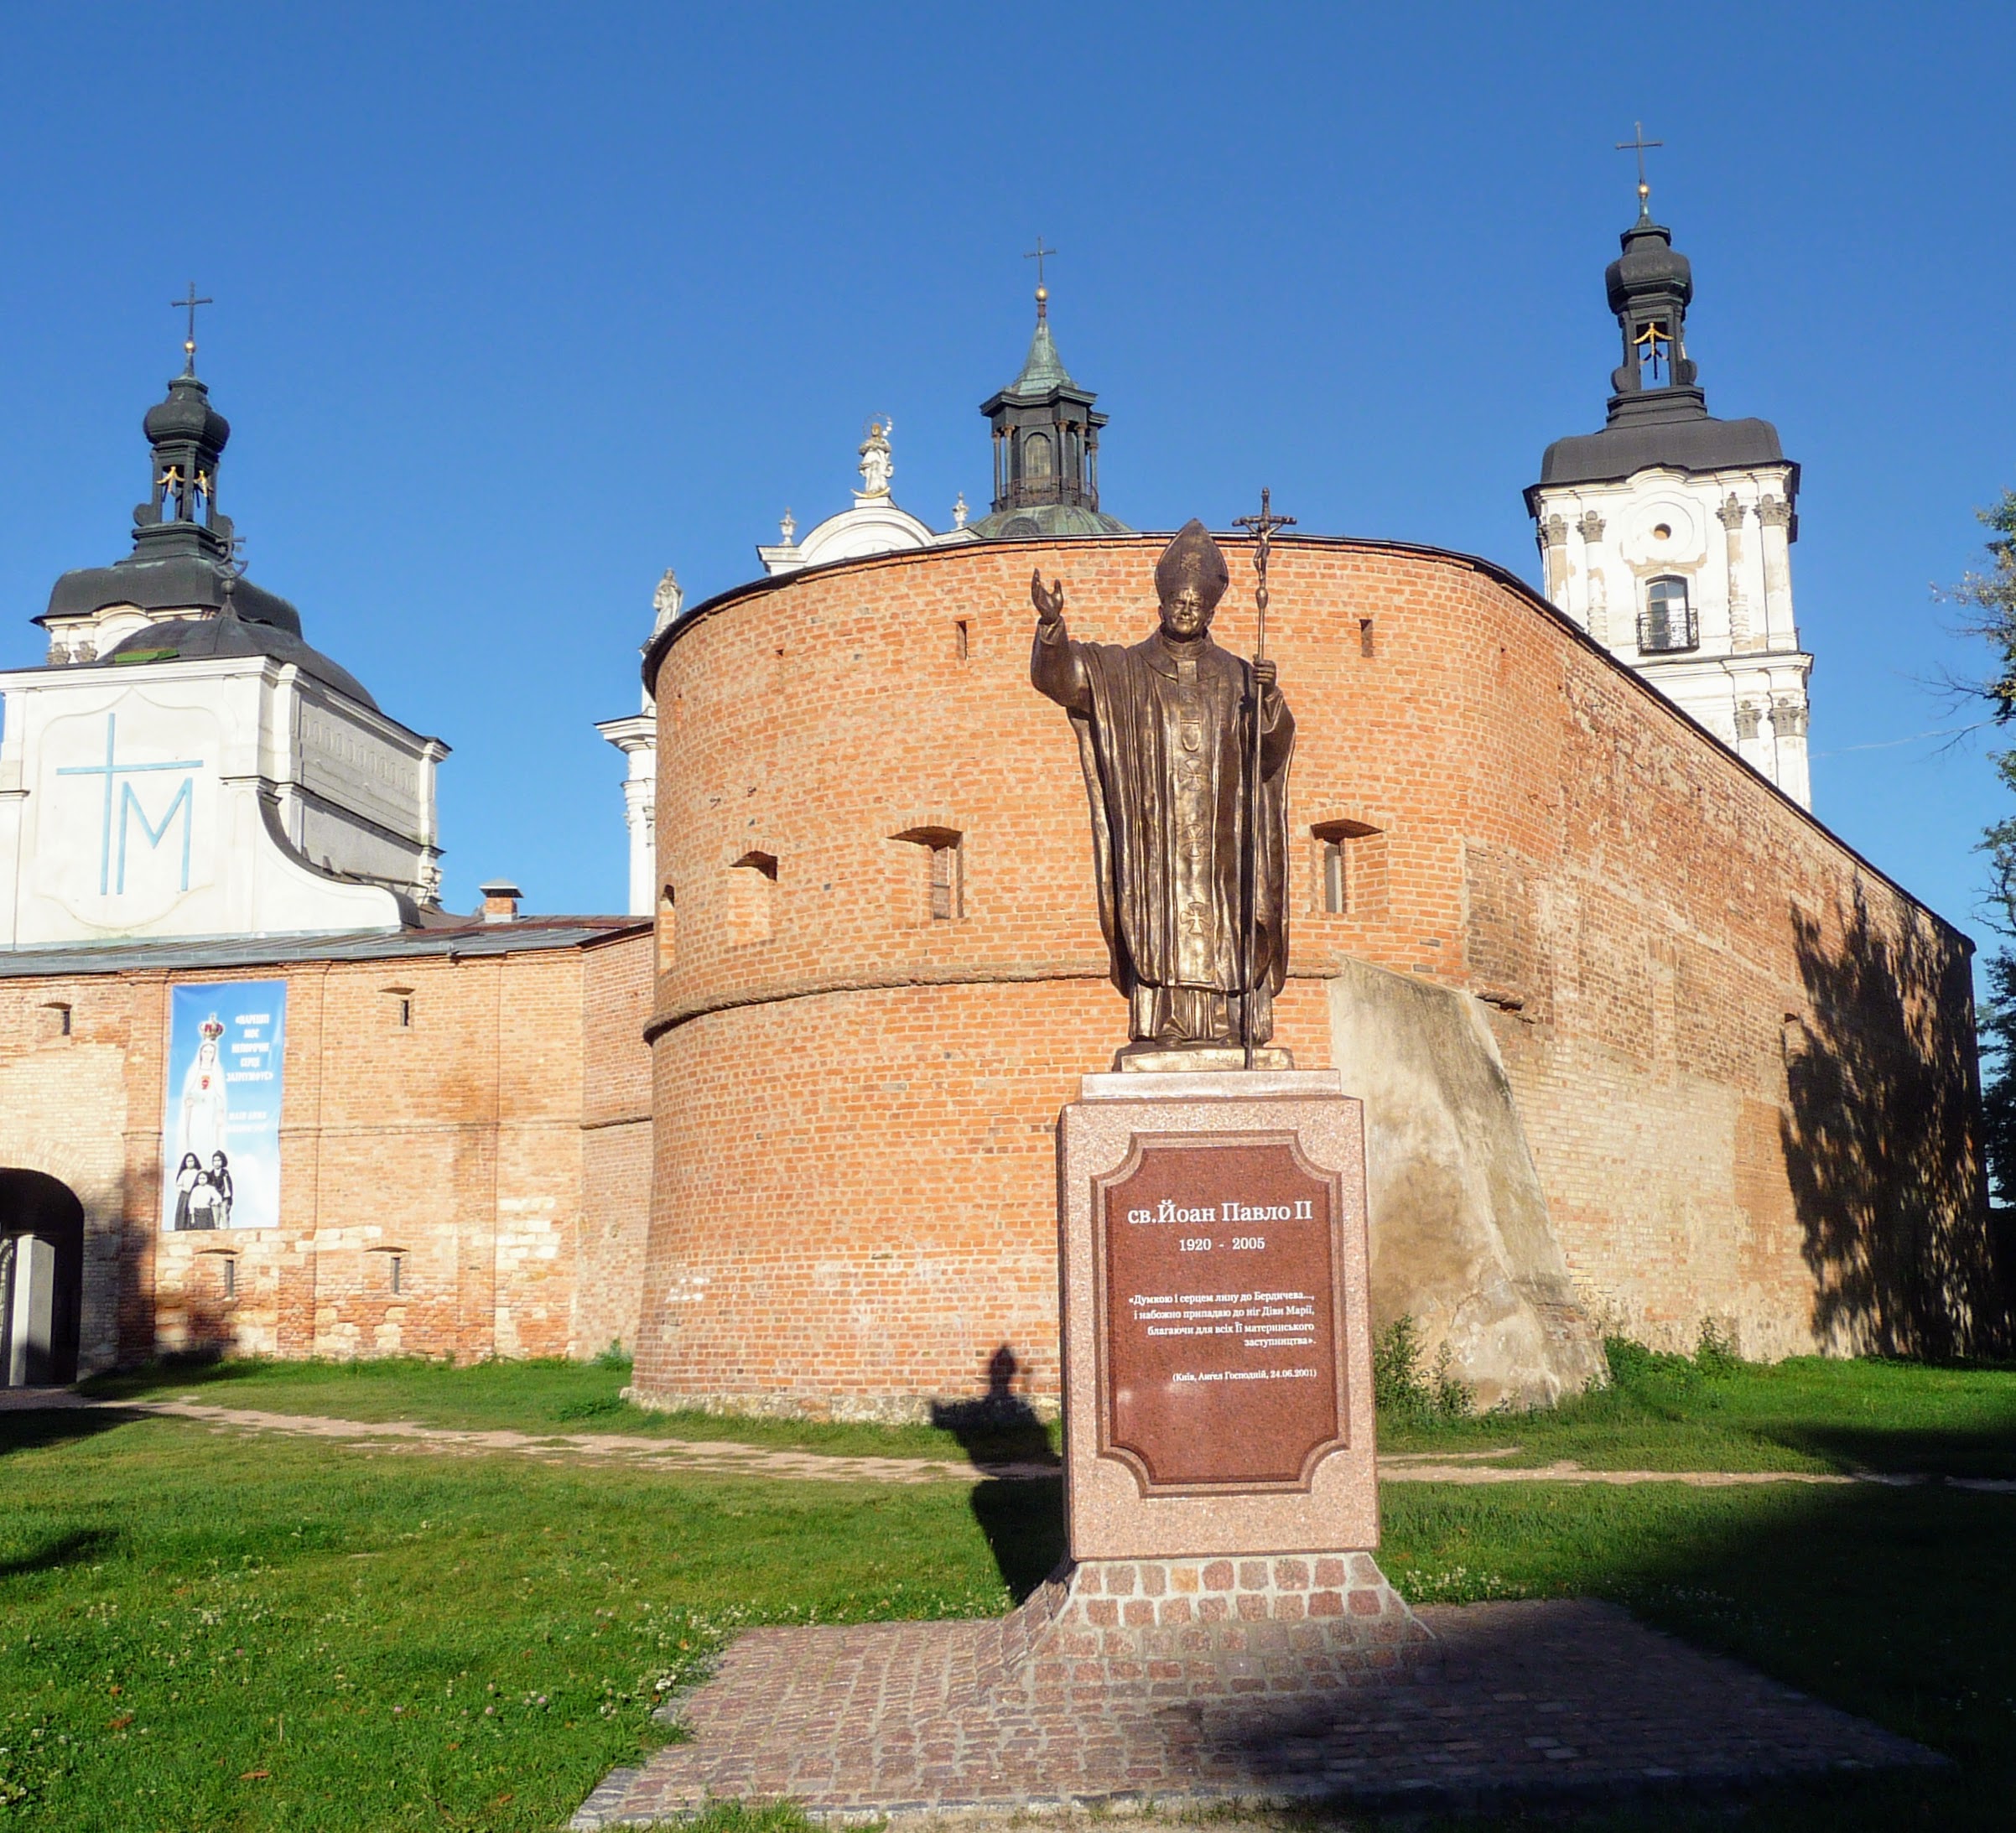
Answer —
129 805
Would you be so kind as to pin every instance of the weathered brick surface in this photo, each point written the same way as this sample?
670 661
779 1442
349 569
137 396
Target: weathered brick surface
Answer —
854 1202
497 1144
1510 1700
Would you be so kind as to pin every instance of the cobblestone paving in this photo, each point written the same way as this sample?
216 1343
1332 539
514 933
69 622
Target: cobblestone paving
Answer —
1513 1701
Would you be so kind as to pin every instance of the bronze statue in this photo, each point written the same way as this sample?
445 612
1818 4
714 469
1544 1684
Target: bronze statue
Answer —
1197 926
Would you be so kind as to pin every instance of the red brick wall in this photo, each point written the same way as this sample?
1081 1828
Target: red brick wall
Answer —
854 1200
468 1142
615 1145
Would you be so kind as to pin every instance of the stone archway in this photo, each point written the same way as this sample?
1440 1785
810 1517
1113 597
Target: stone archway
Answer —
41 1278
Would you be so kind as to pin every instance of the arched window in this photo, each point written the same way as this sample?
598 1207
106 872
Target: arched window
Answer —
1666 625
1038 460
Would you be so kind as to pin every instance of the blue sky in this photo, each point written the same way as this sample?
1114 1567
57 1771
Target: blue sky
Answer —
518 305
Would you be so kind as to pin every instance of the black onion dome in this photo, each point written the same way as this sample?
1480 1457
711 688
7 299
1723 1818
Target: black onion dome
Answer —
1648 264
186 414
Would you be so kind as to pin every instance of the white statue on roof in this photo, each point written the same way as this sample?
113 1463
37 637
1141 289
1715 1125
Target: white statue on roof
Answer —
874 525
877 466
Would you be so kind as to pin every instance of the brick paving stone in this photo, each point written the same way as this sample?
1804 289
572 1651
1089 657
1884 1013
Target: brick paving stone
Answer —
1508 1701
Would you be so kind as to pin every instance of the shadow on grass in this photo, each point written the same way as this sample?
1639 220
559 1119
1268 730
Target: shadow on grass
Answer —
1893 1604
204 1367
77 1547
1024 1524
1985 1451
34 1429
1000 1426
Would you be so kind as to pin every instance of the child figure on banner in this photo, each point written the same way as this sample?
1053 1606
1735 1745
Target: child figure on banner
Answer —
220 1183
188 1175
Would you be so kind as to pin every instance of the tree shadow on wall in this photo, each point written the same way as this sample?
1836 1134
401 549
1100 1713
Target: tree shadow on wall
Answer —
1882 1142
1023 1517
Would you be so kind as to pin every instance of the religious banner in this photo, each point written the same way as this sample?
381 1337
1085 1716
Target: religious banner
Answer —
221 1129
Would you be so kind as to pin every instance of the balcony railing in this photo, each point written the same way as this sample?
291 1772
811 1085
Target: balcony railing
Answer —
1669 630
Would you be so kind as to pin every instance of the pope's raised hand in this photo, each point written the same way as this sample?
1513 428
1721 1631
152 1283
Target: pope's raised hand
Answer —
1049 601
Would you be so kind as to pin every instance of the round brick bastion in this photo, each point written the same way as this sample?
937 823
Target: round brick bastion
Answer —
882 972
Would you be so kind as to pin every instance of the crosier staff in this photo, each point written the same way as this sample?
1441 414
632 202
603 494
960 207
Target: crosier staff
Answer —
1263 527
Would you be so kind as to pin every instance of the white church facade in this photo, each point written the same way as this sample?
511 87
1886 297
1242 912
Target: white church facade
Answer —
186 764
1667 535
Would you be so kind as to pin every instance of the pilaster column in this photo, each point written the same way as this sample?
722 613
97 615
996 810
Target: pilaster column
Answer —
1775 513
1789 732
1752 742
1554 553
1730 516
639 819
1596 584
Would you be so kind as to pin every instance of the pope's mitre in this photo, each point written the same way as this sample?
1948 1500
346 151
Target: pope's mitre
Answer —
1193 559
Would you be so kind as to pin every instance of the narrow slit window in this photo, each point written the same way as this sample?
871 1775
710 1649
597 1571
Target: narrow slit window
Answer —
1335 864
962 640
231 1275
1364 636
945 882
396 1264
668 933
944 888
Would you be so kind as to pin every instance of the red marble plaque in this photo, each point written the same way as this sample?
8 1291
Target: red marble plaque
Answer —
1220 1314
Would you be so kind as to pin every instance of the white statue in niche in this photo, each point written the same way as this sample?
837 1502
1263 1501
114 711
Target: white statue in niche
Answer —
877 467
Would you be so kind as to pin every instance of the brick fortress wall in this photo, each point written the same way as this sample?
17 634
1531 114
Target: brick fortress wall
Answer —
498 1145
1743 1058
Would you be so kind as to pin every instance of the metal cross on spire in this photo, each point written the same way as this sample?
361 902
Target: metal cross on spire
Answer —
1638 143
1038 255
188 344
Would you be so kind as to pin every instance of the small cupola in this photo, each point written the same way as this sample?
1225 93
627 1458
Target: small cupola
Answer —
1046 446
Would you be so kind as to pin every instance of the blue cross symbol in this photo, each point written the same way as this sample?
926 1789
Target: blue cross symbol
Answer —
111 770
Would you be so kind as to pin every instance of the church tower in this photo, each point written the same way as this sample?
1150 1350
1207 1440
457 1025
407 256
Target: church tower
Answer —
185 765
1045 449
1666 536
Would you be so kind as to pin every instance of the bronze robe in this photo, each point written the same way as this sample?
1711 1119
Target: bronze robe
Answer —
1164 738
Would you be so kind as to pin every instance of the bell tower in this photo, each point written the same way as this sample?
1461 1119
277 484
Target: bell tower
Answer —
1667 535
186 437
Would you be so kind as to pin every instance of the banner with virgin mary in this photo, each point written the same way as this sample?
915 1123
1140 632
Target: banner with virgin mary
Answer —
220 1127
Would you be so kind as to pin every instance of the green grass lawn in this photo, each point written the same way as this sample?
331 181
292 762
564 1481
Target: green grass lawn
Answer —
1660 1413
538 1396
206 1631
203 1630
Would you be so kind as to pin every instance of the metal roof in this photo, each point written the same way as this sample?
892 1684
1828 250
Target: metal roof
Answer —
520 936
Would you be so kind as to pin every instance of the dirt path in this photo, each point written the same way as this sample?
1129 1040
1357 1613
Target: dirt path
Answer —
726 1457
